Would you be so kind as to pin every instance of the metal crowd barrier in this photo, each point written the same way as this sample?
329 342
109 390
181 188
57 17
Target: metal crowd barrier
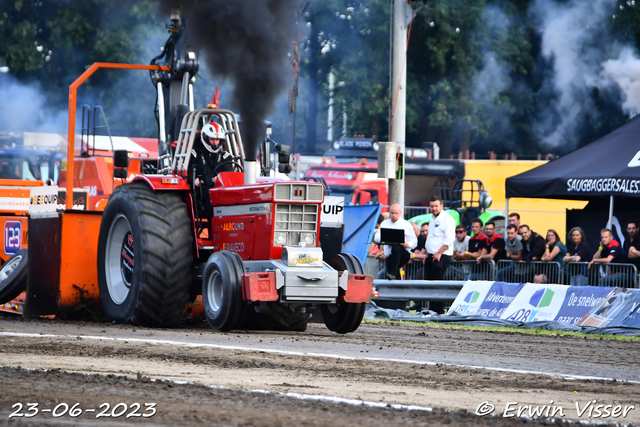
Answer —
414 270
471 270
532 271
376 268
607 275
457 271
413 288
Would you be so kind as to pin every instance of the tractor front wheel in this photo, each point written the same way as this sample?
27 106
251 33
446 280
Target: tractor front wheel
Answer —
344 317
222 290
145 257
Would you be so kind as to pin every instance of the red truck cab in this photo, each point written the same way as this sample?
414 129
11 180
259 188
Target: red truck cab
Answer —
357 182
350 170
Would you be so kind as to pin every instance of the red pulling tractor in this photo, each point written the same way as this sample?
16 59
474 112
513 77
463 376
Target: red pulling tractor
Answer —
256 262
255 259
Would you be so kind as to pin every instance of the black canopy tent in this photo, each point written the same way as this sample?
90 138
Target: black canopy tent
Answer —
606 168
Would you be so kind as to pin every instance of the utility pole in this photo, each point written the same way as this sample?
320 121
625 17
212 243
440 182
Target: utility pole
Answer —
344 117
398 81
330 113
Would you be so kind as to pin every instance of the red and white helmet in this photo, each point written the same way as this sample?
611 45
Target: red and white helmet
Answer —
212 131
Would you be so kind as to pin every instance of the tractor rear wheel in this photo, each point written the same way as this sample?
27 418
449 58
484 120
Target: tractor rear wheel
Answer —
145 256
344 317
13 276
222 290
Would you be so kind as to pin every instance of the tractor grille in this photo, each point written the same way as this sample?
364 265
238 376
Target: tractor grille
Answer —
298 222
299 192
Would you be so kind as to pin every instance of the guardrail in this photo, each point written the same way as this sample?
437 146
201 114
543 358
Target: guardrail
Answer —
417 290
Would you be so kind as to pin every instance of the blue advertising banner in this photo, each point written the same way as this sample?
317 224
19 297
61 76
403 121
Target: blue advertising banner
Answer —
498 298
630 319
359 226
585 306
578 301
620 308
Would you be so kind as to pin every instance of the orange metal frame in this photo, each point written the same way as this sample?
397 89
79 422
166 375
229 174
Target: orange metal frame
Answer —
78 268
73 89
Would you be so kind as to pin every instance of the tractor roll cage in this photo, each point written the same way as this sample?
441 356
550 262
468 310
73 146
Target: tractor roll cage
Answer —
188 130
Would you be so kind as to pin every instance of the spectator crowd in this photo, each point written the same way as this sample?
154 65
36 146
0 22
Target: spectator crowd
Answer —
441 250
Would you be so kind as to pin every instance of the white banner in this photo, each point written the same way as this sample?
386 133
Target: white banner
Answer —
43 199
536 302
14 204
332 210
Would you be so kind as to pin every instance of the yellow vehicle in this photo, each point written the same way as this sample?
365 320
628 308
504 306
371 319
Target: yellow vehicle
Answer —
539 214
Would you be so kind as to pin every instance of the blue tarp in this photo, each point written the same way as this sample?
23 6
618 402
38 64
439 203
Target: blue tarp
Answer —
359 224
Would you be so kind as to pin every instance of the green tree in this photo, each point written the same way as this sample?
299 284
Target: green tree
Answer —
471 65
53 42
21 37
352 38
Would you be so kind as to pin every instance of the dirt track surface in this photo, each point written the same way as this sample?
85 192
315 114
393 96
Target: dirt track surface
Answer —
197 376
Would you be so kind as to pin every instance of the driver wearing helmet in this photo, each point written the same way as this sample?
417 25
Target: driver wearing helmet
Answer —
210 158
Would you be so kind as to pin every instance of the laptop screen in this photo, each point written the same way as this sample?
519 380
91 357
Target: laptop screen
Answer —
391 236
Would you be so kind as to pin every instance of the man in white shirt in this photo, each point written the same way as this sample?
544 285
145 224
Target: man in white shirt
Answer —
460 250
397 255
439 242
461 244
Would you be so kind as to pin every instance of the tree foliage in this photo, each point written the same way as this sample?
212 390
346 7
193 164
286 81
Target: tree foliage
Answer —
476 78
52 42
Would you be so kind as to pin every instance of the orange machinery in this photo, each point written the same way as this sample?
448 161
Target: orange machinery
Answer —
62 267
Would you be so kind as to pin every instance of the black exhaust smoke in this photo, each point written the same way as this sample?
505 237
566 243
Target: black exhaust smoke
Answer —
246 41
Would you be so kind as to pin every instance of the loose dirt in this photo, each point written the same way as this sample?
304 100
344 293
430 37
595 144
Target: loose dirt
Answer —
196 376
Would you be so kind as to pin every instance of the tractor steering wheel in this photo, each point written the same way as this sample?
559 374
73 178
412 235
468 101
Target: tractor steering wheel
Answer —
234 162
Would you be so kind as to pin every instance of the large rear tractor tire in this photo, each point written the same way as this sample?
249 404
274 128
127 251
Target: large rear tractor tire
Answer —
344 317
13 276
222 290
145 257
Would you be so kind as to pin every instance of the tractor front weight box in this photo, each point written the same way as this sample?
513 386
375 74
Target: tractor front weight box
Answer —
358 288
259 286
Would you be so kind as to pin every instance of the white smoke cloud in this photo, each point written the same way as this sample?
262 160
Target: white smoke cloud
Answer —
494 77
24 108
574 39
486 87
492 80
625 73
